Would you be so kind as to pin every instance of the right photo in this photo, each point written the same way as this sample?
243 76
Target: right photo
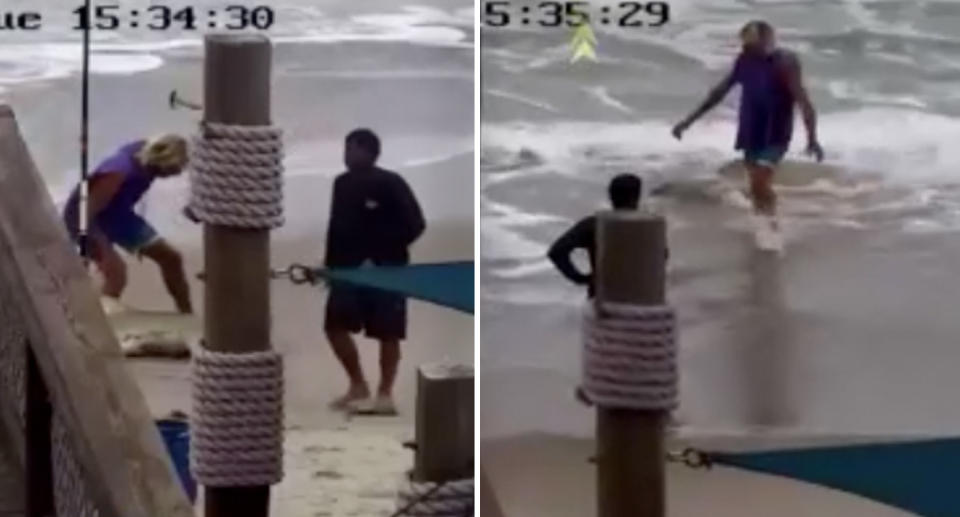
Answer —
719 246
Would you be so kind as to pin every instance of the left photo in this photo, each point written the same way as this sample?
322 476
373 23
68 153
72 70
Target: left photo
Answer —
237 252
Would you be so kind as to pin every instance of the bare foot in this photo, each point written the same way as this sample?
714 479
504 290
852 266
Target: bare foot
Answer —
382 405
354 394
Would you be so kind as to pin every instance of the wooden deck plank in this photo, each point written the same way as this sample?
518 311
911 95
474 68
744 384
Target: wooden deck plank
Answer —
11 485
125 466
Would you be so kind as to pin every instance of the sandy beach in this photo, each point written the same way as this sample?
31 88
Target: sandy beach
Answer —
403 70
851 333
541 475
335 465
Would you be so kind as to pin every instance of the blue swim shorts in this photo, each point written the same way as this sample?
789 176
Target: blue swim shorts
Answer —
123 228
128 230
767 157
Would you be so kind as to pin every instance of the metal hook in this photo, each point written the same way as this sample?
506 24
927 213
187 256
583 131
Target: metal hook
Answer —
692 458
176 101
300 274
297 273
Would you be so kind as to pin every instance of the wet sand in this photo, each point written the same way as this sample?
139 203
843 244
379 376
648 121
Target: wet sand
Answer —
852 332
541 475
850 337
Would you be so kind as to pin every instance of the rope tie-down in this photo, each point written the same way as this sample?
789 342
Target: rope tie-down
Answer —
630 356
425 499
237 397
237 178
237 418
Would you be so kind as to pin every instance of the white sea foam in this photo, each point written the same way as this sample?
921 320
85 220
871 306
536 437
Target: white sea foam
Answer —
500 234
57 53
848 90
523 269
516 97
557 295
924 149
425 161
603 95
26 63
498 241
882 178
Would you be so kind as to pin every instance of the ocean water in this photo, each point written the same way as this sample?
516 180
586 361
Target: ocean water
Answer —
853 331
403 69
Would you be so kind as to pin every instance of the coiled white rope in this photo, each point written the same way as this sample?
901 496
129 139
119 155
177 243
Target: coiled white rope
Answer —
630 357
449 499
237 435
237 177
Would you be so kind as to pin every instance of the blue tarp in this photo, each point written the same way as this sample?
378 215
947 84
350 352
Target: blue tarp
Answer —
449 284
916 476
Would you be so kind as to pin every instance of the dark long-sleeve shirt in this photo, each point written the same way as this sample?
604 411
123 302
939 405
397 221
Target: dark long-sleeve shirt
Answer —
580 236
374 216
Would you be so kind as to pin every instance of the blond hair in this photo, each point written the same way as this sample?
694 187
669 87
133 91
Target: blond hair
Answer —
164 151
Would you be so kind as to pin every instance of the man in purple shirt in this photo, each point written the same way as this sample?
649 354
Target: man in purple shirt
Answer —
115 188
771 84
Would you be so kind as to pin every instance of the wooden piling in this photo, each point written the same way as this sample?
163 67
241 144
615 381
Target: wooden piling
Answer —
444 423
237 261
631 269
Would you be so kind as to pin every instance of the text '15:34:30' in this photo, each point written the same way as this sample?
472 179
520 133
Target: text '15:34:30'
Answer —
574 14
162 17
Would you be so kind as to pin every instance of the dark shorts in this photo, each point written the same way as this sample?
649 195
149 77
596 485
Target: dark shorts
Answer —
767 157
380 314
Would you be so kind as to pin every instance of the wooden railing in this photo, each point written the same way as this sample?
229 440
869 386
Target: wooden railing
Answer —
72 416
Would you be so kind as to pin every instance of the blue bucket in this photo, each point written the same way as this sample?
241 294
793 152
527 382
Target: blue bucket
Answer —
176 436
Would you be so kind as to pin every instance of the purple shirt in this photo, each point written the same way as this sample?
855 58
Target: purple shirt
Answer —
136 182
766 104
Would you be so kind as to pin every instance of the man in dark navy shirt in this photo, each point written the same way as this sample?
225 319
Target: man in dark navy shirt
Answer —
624 191
374 218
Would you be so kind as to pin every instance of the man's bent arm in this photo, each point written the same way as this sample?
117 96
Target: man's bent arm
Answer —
561 250
333 223
410 213
714 98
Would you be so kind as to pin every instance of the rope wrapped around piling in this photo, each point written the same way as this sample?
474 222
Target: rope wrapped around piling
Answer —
448 499
237 176
237 422
630 356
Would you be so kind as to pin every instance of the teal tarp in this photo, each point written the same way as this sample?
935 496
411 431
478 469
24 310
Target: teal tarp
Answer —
449 284
916 476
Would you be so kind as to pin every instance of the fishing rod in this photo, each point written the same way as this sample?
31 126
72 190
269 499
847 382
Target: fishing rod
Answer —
84 137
